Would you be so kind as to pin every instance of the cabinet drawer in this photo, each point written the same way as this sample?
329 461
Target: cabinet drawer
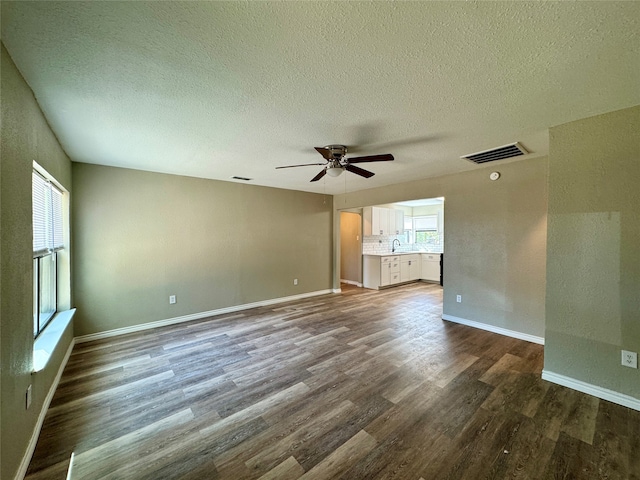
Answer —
391 258
395 266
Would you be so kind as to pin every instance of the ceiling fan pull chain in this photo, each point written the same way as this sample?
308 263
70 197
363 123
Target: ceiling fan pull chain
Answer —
324 191
345 189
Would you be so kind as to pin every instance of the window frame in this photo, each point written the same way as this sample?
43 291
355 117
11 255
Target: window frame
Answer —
434 229
49 228
41 319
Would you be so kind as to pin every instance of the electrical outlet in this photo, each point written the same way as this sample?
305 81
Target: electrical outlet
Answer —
295 281
629 359
459 298
28 397
172 299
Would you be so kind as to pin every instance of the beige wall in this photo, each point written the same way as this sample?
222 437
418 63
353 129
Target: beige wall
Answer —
495 240
141 236
593 262
25 137
351 247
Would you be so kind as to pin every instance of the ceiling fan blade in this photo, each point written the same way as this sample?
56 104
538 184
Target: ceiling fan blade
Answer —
322 173
325 152
386 157
402 142
359 171
301 165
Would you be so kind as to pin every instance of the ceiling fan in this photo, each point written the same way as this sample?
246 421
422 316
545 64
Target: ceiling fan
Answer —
336 163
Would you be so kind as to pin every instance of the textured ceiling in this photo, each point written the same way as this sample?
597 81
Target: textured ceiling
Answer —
216 89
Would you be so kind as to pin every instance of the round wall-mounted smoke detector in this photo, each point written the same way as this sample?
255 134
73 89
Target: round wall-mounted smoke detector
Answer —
494 175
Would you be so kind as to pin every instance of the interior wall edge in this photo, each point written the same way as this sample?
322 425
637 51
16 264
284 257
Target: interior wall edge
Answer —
593 259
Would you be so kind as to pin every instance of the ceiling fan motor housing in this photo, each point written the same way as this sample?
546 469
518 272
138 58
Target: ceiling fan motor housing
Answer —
337 151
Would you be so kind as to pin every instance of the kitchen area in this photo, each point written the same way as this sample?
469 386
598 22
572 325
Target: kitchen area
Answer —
401 243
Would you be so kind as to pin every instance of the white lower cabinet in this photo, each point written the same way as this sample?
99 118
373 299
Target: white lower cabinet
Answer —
409 268
389 270
383 271
430 267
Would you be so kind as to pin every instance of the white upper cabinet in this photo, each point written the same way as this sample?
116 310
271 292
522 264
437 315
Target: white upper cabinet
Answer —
396 222
382 221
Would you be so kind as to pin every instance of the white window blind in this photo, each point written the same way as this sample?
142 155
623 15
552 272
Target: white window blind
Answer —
56 215
429 222
47 216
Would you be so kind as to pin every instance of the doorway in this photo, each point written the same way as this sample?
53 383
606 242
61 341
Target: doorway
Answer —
351 248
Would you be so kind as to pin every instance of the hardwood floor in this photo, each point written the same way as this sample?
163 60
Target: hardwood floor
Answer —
358 385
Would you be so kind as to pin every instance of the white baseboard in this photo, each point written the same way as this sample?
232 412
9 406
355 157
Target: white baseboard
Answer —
596 391
491 328
31 447
351 282
197 316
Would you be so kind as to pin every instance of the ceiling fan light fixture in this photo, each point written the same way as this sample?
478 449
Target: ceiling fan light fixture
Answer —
334 171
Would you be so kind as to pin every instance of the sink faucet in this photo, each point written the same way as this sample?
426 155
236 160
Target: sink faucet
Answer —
393 244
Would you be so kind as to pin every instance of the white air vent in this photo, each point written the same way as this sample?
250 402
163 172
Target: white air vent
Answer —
500 153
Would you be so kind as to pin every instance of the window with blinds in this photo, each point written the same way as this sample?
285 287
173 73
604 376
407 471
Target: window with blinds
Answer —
48 239
47 216
425 223
426 229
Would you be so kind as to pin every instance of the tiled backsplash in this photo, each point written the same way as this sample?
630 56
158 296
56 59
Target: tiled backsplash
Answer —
378 244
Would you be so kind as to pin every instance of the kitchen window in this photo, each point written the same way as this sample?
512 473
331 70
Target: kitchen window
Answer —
408 230
426 230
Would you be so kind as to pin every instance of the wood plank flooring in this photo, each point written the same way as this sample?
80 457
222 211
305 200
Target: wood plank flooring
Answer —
358 385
